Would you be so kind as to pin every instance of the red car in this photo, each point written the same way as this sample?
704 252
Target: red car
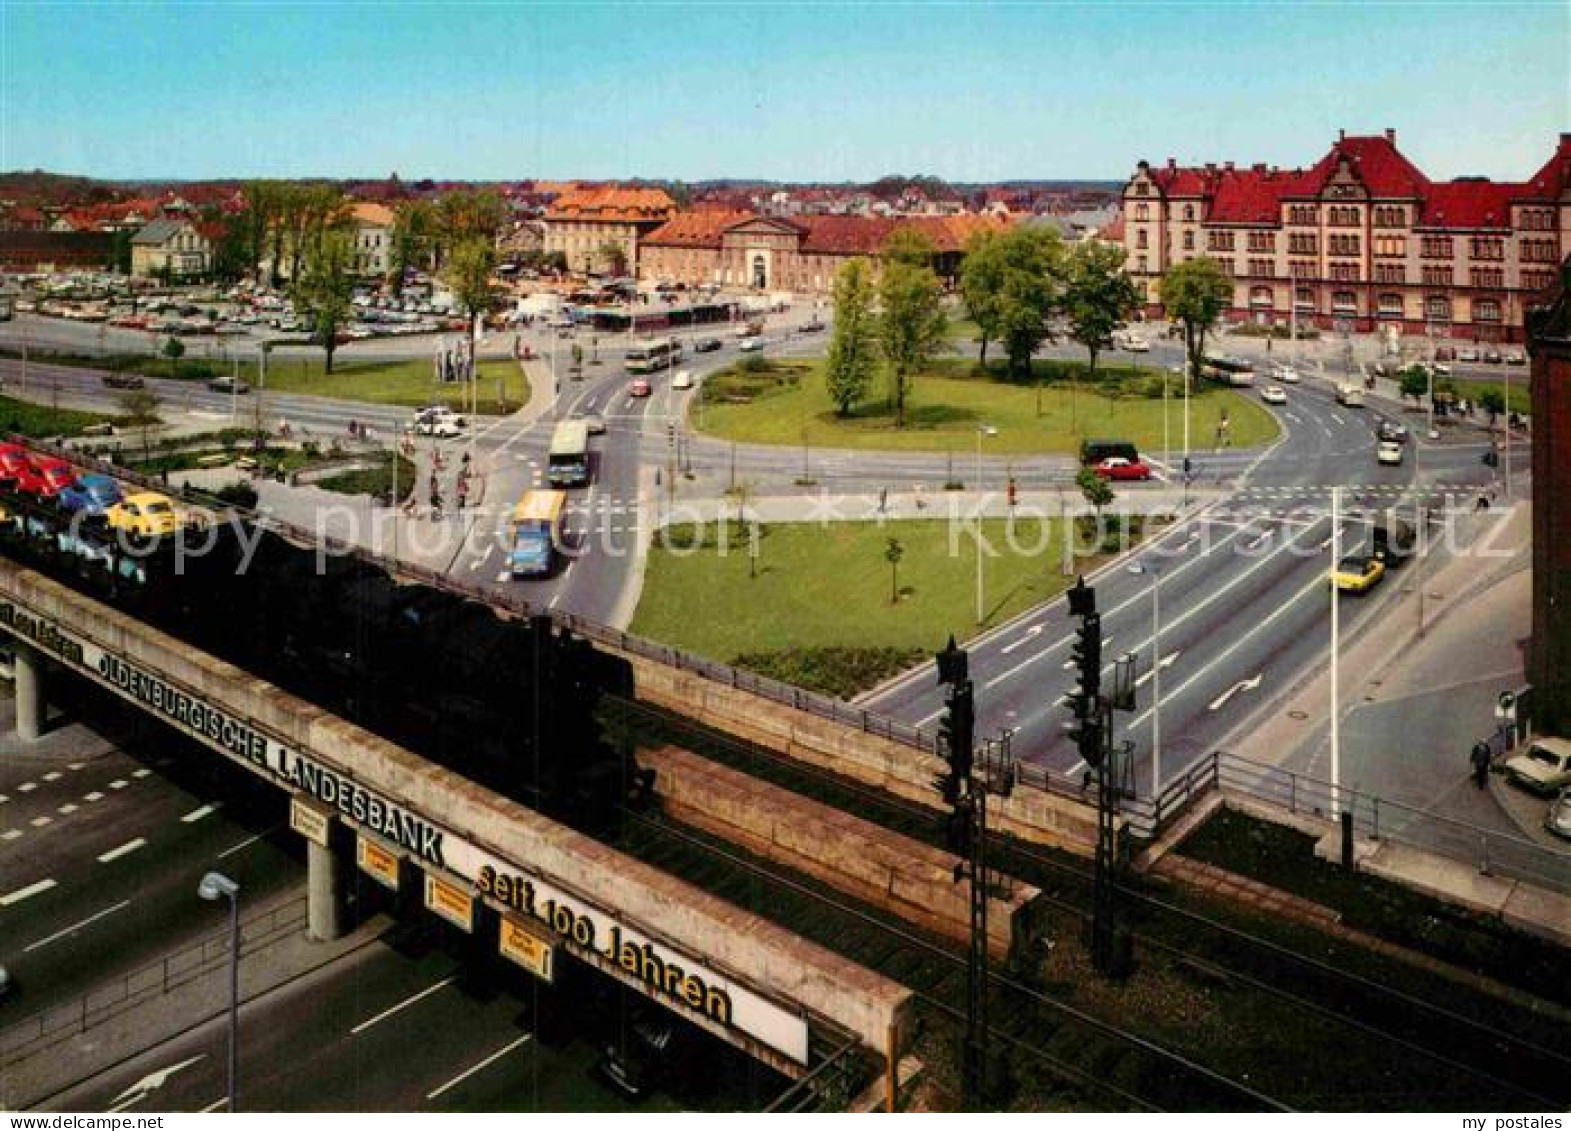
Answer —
639 388
1117 467
14 461
46 477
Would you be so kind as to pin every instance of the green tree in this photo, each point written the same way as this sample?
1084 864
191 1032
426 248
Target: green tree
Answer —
555 261
848 370
1415 383
614 256
910 327
893 552
1099 296
468 214
257 220
120 252
140 409
909 246
174 350
1493 402
1030 294
982 285
324 289
468 273
1196 292
1098 492
414 228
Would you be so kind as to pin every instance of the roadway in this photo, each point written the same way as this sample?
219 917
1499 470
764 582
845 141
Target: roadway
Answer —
1244 601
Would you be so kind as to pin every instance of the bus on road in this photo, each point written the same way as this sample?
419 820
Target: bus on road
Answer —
1233 371
568 464
649 355
536 528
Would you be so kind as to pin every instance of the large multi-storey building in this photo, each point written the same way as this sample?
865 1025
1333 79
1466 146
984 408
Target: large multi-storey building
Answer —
1363 240
594 227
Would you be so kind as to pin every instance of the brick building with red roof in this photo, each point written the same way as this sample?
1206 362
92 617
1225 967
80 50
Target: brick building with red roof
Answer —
584 223
799 253
1363 239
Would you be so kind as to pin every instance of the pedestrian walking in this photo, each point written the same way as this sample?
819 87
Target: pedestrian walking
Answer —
1480 759
436 505
883 500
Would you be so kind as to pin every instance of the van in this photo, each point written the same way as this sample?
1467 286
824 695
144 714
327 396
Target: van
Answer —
1095 451
1349 396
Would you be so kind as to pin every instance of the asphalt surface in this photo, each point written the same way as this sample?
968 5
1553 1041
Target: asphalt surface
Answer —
1244 601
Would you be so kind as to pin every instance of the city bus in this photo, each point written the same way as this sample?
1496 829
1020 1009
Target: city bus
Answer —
651 356
568 464
1233 371
536 529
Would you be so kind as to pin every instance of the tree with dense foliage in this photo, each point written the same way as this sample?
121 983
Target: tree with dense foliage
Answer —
911 327
1030 292
1098 492
614 256
325 288
258 217
1195 293
909 246
853 357
414 228
140 408
1415 383
982 285
468 275
1099 296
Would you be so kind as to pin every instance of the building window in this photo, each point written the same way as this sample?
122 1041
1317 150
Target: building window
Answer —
1261 268
1390 305
1189 241
1437 276
1260 296
1486 310
1391 245
1262 241
1390 273
1142 212
1344 302
1189 213
1488 249
1140 238
1488 277
1437 308
1436 247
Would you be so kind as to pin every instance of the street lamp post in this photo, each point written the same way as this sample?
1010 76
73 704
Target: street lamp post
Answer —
1156 674
981 430
216 885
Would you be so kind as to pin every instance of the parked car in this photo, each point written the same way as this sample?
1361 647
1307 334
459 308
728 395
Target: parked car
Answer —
91 494
1118 467
1273 394
228 385
683 379
813 327
750 345
1445 353
1388 452
1516 357
707 345
124 381
1467 353
1558 819
1357 573
1544 767
1134 343
1493 356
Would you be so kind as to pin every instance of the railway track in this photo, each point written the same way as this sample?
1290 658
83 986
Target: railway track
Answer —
1413 1050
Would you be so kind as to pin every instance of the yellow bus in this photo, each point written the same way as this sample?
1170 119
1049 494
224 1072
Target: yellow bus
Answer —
537 530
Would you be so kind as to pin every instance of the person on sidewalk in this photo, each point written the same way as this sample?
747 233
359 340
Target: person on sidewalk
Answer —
436 505
1480 759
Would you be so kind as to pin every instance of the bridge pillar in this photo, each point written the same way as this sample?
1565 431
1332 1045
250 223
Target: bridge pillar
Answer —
29 680
325 912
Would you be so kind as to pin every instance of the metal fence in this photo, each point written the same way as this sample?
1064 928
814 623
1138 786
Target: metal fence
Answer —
1505 854
58 1023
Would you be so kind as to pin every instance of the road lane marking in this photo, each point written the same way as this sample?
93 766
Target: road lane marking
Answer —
3 799
40 822
125 849
10 834
198 814
118 783
75 927
487 1062
246 843
26 893
53 775
408 1001
141 773
1242 685
66 810
1167 662
1031 634
27 787
215 1105
94 796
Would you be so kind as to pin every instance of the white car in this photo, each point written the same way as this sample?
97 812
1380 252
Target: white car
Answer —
682 380
1274 394
1288 375
750 345
1467 353
1389 451
441 427
441 410
1134 343
1544 767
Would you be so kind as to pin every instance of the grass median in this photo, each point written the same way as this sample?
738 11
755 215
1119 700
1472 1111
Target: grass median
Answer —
27 419
816 604
785 402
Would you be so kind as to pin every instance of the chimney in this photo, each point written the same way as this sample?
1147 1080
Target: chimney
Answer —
1390 135
1210 166
1341 135
1172 163
1228 165
1259 166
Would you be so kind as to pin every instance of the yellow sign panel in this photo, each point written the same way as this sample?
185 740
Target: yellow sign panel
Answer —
309 819
377 862
527 948
454 904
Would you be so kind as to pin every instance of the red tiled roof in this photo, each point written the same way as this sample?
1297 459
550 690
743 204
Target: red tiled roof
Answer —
1550 182
1114 232
369 212
612 204
1469 204
695 229
1378 163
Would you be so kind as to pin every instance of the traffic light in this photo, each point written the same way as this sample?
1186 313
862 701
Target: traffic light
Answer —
1086 730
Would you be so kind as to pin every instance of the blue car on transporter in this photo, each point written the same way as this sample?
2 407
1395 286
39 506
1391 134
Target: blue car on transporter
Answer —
93 494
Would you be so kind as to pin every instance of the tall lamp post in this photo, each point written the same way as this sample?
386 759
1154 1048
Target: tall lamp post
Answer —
981 430
1156 673
216 885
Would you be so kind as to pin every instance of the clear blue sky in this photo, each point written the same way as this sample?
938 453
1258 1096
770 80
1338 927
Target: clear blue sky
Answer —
801 91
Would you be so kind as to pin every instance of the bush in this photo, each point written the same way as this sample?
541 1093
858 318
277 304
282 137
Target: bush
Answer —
754 363
238 494
841 672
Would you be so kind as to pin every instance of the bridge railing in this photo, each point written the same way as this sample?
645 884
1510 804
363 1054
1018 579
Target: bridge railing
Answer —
48 1027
